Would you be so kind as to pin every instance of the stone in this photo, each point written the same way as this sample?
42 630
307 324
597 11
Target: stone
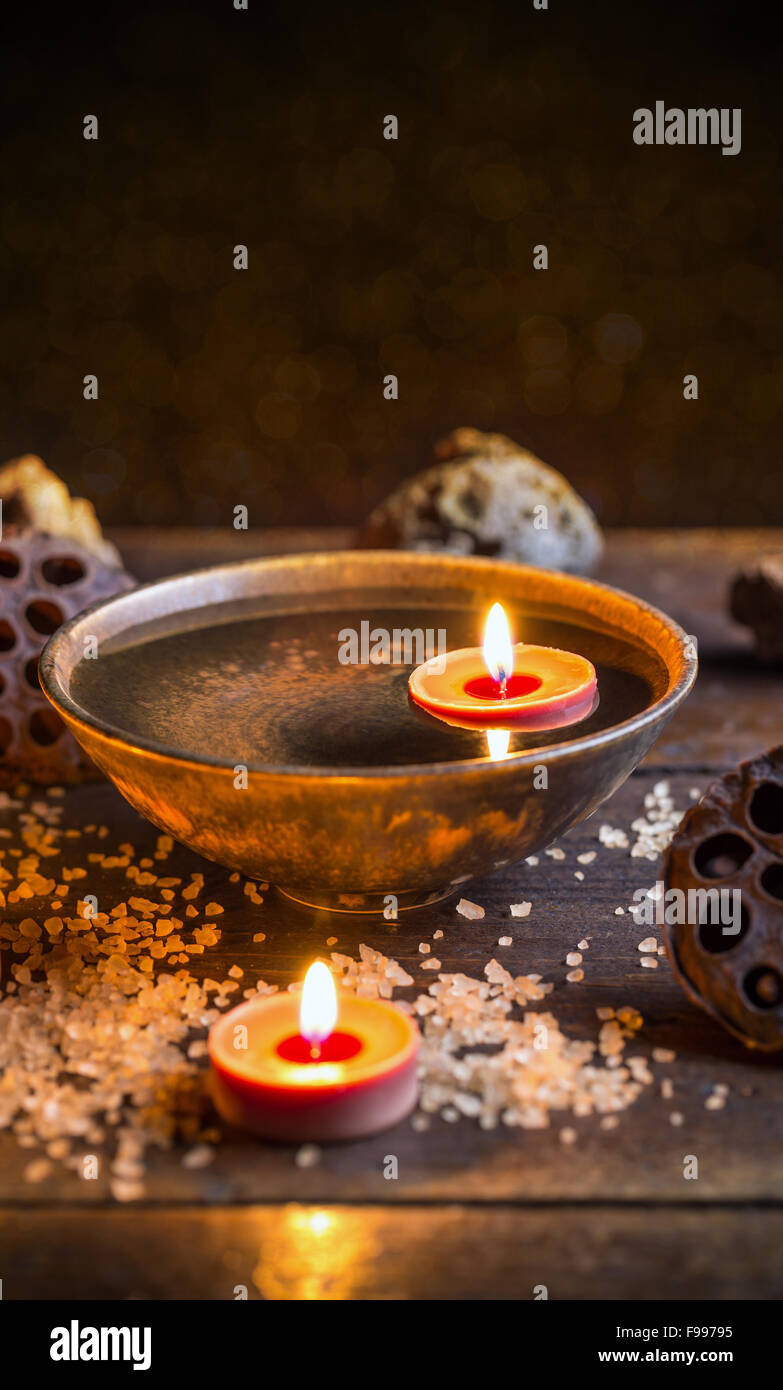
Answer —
486 495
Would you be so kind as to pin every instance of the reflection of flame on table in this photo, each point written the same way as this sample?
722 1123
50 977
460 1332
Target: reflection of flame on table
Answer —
316 1253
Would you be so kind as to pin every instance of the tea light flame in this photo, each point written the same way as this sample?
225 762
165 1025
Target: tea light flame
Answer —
498 651
318 1009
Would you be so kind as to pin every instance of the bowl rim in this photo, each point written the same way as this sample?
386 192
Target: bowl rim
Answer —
56 666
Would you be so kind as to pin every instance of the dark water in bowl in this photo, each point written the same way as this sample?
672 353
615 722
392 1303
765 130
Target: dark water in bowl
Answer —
267 687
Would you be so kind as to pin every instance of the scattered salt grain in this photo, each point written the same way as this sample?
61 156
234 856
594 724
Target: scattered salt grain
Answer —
424 948
578 874
199 1156
568 1135
431 964
505 940
676 1118
649 962
574 976
663 1054
586 858
307 1156
583 945
573 958
468 909
520 909
38 1170
613 839
649 944
555 853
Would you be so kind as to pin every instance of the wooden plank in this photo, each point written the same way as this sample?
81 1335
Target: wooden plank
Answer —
685 572
738 1148
302 1252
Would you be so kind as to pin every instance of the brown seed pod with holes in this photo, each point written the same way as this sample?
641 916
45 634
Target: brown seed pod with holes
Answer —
733 839
43 580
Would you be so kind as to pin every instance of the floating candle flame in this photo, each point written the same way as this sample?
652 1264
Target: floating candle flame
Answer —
318 1009
498 741
498 651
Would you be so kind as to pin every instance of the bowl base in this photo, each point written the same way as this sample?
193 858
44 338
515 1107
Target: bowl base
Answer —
382 904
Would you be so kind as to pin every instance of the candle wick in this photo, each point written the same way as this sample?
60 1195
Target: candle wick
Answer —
315 1052
503 682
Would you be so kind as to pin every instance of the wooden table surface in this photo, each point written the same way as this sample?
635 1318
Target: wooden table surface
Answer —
471 1214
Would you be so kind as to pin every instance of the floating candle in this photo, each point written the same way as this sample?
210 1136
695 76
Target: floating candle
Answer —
502 684
283 1069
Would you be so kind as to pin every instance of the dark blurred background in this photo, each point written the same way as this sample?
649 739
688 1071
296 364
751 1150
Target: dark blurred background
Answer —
415 257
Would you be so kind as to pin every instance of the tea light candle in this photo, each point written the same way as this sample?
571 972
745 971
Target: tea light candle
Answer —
283 1068
499 683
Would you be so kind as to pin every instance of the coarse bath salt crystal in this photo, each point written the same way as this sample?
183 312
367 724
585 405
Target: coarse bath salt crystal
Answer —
613 839
555 853
649 962
583 945
505 940
574 976
649 944
465 908
663 1054
520 909
199 1156
586 858
573 958
307 1156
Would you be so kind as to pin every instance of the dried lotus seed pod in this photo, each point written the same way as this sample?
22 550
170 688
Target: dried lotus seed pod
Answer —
733 840
43 581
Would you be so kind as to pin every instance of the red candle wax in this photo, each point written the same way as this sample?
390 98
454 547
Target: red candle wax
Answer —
267 1078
